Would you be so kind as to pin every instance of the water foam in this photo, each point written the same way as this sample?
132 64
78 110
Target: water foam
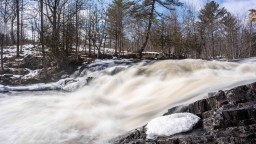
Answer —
112 104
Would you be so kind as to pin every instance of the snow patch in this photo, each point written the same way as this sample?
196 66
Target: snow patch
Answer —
32 73
16 76
171 124
29 49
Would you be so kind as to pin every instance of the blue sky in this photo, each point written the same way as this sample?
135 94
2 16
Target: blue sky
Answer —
236 7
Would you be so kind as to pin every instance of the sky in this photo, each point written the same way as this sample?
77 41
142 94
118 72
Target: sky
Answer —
236 7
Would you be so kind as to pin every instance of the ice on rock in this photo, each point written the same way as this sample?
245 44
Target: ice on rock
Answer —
171 124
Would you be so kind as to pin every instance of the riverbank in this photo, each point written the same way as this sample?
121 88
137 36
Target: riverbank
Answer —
226 117
28 68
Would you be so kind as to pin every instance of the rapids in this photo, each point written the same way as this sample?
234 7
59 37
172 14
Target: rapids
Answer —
121 97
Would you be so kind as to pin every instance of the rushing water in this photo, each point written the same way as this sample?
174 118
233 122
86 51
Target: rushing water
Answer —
120 98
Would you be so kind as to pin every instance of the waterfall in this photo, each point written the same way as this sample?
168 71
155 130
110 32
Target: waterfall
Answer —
120 97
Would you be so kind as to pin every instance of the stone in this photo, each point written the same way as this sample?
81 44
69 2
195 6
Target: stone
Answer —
226 117
33 62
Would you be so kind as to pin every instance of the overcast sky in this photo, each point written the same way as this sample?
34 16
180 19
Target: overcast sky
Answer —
237 7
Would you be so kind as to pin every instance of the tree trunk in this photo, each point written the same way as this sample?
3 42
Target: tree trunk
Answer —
150 21
12 32
162 39
90 36
2 43
18 28
54 30
250 40
76 30
21 27
104 44
42 39
90 44
213 48
116 44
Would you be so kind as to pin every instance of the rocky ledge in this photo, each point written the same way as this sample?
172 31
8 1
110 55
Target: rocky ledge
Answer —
226 117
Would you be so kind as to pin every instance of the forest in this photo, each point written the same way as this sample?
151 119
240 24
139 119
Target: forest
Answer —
128 71
68 30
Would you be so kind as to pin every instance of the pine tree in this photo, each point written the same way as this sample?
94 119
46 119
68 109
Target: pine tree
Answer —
147 9
231 28
210 18
116 15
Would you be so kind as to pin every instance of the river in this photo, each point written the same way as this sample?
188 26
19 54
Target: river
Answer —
122 96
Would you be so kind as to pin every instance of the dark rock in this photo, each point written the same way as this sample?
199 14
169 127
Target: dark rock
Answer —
135 136
7 79
32 62
116 70
199 107
30 81
237 95
178 109
16 71
7 75
89 79
227 117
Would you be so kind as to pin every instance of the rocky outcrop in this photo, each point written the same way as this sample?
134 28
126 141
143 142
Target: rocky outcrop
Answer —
226 117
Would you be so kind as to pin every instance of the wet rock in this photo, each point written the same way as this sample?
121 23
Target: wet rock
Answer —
132 137
199 107
237 95
177 109
227 117
89 79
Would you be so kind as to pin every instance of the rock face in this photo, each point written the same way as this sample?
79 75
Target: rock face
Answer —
226 117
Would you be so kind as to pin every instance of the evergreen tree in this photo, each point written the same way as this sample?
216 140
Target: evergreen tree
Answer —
117 13
231 28
210 19
147 9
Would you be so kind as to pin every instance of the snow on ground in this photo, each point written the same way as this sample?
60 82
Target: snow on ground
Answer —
110 51
102 50
98 62
16 76
171 124
31 74
29 49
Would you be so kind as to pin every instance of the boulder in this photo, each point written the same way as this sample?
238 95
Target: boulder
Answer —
226 117
32 62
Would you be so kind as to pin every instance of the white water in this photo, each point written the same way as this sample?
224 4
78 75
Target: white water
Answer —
113 104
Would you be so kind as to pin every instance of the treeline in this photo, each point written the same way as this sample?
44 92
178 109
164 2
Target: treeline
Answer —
70 28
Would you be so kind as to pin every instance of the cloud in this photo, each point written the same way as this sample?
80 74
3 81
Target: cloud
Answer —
195 5
239 7
236 7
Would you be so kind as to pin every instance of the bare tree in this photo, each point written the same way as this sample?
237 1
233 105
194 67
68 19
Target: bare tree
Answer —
148 9
18 27
5 11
